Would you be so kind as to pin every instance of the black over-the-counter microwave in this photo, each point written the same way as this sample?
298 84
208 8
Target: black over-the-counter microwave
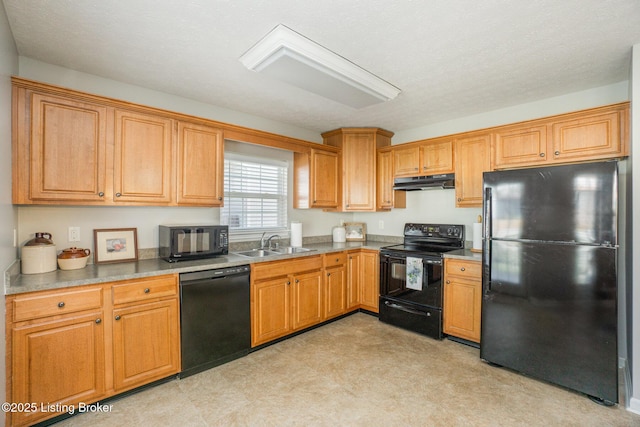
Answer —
182 242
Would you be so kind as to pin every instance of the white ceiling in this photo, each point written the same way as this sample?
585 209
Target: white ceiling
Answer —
450 58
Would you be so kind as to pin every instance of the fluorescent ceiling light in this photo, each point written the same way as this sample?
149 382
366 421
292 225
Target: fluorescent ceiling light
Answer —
290 57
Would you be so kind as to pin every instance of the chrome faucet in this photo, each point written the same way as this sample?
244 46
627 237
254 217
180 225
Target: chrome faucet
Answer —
272 237
266 244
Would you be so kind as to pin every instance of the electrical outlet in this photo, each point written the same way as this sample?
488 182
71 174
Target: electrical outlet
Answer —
381 225
74 234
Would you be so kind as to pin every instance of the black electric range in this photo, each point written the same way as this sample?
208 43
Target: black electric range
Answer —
411 277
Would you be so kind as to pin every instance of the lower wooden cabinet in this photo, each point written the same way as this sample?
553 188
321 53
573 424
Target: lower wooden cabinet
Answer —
56 362
145 343
369 280
88 343
462 298
335 286
285 296
288 296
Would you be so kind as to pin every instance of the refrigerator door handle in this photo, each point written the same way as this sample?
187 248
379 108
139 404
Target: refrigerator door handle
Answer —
487 239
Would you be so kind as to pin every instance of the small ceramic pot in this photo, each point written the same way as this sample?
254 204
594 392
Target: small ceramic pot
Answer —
73 258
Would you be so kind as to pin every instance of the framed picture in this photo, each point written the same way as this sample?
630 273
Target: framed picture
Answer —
115 245
356 231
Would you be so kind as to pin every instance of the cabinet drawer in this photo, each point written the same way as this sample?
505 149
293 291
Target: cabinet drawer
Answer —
51 304
334 259
145 289
269 270
471 270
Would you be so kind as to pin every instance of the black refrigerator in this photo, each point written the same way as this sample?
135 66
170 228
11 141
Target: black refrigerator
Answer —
549 304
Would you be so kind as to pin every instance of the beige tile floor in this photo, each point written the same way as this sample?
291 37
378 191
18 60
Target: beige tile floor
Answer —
357 372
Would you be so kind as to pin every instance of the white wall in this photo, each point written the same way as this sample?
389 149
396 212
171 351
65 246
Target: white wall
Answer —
8 214
595 97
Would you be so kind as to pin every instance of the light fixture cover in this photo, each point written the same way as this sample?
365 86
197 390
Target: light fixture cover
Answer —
290 57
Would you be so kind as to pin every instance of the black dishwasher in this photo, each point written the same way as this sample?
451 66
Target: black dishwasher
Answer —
215 318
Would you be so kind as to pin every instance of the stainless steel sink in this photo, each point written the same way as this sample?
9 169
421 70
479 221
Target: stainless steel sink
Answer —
257 253
291 250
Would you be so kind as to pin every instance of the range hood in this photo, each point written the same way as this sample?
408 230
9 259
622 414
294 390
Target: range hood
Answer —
424 182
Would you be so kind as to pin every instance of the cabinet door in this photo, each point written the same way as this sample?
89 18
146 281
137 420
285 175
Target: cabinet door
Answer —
436 158
200 165
472 159
270 310
307 300
146 343
593 136
325 191
353 280
68 150
335 292
521 146
406 161
370 281
57 362
462 301
359 172
142 162
385 180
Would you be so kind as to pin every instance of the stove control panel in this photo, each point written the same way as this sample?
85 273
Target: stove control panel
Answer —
455 232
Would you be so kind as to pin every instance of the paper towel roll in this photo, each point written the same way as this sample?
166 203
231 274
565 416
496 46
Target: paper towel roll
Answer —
477 236
296 234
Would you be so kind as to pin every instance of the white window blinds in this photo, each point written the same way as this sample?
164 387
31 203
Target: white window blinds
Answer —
255 193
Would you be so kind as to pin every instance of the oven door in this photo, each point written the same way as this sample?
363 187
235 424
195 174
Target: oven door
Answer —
393 280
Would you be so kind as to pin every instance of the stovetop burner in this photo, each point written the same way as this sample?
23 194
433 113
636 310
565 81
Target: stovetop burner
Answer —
429 239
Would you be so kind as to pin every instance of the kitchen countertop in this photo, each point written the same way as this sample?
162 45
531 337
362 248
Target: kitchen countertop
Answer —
465 254
94 274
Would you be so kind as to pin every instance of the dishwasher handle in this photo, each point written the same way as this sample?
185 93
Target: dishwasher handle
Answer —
218 273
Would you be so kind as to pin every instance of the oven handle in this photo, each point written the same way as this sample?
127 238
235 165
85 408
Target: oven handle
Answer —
408 310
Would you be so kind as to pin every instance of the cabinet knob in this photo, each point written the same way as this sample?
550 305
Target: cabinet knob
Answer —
118 317
557 153
288 282
101 194
541 154
337 259
461 268
448 282
118 194
61 304
415 168
98 321
219 198
459 199
328 274
297 281
147 290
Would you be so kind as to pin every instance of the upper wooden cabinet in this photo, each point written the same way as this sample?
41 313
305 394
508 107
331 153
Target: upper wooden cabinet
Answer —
473 158
78 149
316 179
61 153
429 157
358 167
143 154
594 134
386 197
200 160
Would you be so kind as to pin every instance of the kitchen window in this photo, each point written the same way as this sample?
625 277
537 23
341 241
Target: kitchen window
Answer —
255 195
